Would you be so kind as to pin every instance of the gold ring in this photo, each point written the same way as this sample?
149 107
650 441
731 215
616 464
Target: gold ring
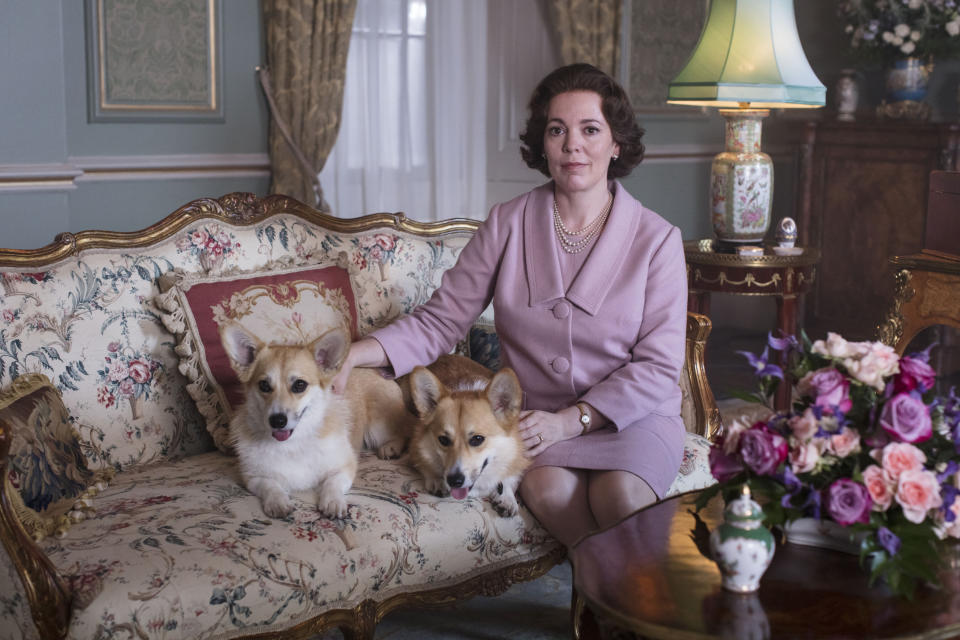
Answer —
540 435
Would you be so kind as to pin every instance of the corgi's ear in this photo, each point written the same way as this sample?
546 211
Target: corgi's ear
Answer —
505 395
241 346
330 349
426 391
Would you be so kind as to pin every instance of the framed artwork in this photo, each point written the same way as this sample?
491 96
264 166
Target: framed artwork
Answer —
154 60
662 35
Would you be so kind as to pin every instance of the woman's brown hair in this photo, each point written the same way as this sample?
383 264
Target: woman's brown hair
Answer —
613 102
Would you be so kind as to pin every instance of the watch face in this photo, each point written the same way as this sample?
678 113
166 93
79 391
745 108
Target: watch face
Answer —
584 419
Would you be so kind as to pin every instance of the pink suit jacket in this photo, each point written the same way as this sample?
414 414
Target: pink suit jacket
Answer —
614 339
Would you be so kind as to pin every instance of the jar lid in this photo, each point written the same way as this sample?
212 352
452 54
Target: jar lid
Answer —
744 509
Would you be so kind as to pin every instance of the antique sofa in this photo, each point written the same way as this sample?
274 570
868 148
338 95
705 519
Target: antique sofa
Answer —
158 537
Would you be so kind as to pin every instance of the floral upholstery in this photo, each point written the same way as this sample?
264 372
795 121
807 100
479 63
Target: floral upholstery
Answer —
15 619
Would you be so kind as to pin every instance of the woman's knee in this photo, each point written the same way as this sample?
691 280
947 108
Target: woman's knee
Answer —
616 494
550 486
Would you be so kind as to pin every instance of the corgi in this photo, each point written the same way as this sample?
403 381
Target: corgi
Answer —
293 433
467 441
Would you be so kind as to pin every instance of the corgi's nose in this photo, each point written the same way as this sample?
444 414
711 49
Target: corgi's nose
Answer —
455 479
278 420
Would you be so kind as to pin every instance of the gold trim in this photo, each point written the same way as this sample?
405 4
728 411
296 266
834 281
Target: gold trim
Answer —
209 107
704 252
890 332
46 590
243 209
750 280
708 422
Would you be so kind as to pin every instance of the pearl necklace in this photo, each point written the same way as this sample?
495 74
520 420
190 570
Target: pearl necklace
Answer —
569 240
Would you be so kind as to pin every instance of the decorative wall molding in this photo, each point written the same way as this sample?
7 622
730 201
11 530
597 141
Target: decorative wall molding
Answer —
154 60
81 169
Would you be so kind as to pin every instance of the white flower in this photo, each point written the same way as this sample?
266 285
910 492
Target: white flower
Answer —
915 35
897 41
901 30
916 4
887 36
849 28
953 27
908 47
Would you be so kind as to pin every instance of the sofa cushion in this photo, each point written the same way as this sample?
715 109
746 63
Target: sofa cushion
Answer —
183 550
280 305
47 477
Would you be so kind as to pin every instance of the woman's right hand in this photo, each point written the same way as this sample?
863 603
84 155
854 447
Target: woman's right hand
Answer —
366 352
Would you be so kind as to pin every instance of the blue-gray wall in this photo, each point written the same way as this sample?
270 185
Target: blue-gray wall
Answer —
61 172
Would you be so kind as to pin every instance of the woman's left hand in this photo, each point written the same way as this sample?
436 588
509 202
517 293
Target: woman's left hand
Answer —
540 429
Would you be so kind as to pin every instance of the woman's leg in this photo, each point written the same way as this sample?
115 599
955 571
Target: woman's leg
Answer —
557 496
613 495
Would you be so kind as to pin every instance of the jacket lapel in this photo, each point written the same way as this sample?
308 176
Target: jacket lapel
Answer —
539 247
592 284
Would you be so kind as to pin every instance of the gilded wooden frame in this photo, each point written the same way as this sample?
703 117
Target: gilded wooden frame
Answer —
103 107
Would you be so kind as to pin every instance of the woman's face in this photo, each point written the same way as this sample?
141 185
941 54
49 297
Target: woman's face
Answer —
578 141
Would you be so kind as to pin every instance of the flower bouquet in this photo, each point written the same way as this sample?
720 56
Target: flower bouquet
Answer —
866 445
887 30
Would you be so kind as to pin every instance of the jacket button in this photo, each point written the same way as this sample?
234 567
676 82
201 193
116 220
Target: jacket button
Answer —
561 310
560 365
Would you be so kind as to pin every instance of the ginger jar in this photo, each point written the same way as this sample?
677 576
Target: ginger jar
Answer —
742 547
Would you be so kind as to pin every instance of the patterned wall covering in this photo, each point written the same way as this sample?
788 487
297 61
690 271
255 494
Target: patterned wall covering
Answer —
153 59
664 35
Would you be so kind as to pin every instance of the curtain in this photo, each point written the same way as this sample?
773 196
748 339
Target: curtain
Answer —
413 137
307 43
588 31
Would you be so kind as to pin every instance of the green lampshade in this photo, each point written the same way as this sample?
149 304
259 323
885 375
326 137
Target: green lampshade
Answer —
749 52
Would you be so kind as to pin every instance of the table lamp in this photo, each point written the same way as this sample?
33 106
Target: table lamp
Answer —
748 60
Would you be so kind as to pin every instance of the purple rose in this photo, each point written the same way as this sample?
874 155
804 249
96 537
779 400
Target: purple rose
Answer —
830 388
848 502
723 466
906 418
914 374
762 450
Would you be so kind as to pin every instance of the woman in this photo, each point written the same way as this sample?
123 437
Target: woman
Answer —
589 295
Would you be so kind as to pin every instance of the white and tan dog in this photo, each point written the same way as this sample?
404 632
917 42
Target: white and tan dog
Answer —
294 433
467 441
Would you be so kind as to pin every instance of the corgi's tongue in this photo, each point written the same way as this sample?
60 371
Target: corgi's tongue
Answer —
459 493
281 434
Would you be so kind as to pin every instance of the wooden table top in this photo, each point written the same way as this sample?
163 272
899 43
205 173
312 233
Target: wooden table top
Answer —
647 574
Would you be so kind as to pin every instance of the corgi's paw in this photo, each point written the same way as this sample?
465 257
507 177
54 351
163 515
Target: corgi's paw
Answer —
391 449
277 505
436 487
505 504
332 503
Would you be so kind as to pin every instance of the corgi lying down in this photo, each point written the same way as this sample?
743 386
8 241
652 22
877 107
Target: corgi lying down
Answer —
294 433
467 441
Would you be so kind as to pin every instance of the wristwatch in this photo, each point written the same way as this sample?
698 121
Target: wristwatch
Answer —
584 417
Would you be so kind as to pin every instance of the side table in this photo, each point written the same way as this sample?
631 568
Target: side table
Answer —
648 577
785 278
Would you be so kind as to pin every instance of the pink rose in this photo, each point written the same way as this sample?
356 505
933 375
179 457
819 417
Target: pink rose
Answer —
804 426
845 442
139 371
914 374
117 372
126 387
804 457
199 237
898 457
848 502
906 418
113 347
9 316
385 241
879 362
762 450
918 492
829 388
879 487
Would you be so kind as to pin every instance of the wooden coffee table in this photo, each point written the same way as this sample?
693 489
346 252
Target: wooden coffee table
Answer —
647 577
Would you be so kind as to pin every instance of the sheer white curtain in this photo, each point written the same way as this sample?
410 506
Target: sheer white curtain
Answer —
413 135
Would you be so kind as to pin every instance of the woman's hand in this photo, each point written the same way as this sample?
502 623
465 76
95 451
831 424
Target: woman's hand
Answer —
540 429
363 353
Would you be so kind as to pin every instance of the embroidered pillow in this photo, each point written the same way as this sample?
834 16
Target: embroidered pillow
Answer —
47 480
281 306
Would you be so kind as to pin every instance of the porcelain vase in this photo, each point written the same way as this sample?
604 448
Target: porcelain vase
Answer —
907 80
741 180
742 547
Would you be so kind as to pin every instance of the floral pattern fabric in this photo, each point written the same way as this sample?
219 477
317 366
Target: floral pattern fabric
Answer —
91 323
16 622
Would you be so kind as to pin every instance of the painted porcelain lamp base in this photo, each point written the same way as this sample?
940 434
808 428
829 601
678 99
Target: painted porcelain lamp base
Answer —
741 180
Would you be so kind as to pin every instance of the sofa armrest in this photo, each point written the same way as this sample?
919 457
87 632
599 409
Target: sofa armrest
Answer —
706 414
46 591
